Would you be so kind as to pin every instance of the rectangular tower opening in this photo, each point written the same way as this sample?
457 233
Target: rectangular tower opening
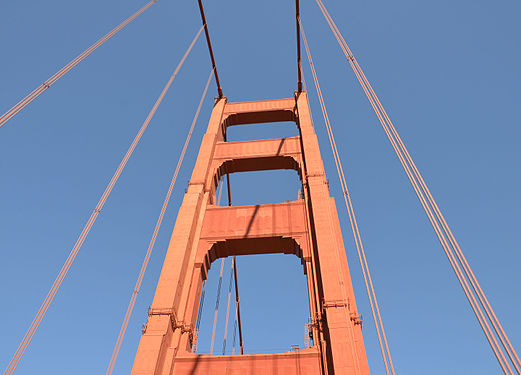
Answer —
268 130
261 187
274 306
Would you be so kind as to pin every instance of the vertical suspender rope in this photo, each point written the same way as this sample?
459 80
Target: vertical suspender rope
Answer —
198 321
443 231
234 331
77 246
155 233
217 300
60 73
228 310
237 303
354 226
216 311
237 319
234 274
234 267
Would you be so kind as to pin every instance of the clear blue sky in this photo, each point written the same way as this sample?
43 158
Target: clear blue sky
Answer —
447 73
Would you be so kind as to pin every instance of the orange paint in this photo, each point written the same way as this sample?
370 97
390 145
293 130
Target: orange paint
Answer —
204 232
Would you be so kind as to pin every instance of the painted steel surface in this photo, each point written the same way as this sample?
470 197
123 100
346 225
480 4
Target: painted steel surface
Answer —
308 228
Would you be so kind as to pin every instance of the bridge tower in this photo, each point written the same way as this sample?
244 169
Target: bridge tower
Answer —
204 232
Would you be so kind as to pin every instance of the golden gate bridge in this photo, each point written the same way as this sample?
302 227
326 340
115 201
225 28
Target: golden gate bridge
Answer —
294 109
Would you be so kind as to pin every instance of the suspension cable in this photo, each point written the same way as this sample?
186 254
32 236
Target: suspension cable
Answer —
452 249
210 50
86 229
217 300
60 73
201 301
155 233
228 310
352 218
463 283
299 63
237 304
199 314
219 285
234 264
234 331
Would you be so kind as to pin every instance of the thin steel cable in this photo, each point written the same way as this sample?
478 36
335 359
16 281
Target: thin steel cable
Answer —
468 272
195 344
352 218
60 73
339 272
299 62
483 324
337 247
445 232
220 282
448 233
217 300
77 246
201 304
234 331
237 302
459 253
210 50
219 195
230 286
155 233
234 268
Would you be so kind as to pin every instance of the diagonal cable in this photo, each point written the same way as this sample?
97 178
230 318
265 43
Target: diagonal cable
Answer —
352 218
154 235
450 246
60 73
77 246
228 309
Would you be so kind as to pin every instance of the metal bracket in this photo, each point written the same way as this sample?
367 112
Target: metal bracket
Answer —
357 319
334 303
174 322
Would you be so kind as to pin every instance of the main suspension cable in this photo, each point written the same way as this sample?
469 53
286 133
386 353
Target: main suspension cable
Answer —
210 50
60 73
137 287
477 311
452 249
86 229
352 218
299 62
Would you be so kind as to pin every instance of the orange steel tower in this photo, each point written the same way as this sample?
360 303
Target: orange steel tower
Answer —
205 232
